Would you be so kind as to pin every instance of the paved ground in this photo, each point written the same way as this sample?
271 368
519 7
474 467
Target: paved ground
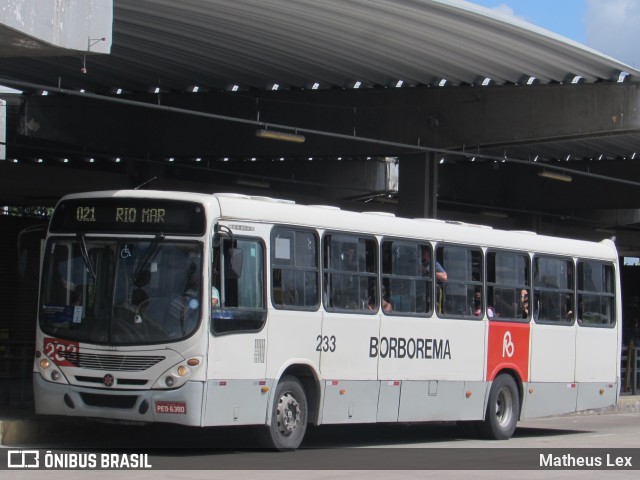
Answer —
20 426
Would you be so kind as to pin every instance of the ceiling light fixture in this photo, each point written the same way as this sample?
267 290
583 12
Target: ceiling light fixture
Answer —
561 177
282 136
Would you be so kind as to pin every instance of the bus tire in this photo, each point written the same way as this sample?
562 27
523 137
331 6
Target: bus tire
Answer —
289 415
503 409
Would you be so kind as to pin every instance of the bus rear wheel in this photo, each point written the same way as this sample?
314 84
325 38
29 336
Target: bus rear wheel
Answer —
289 416
503 409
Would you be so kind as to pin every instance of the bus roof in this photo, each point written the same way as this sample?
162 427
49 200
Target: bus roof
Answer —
271 210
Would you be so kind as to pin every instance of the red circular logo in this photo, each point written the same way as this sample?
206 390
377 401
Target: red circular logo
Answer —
108 380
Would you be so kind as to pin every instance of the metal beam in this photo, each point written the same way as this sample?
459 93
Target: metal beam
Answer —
364 122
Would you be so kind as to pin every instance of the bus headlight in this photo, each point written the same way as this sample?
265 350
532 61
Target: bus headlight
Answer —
179 373
49 371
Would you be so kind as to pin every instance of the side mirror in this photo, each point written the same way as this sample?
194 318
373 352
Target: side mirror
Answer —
235 263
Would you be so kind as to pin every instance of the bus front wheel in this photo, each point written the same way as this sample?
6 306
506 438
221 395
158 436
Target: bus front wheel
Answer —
288 416
503 409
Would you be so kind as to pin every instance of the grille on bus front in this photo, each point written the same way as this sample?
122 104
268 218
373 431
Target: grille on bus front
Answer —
111 362
108 401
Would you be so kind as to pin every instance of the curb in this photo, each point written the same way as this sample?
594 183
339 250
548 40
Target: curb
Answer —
626 404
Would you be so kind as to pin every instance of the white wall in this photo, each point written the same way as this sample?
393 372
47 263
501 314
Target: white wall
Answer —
72 24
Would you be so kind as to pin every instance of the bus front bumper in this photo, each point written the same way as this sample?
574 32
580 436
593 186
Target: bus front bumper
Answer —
181 406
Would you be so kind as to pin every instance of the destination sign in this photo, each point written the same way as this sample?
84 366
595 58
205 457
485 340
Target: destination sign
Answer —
131 215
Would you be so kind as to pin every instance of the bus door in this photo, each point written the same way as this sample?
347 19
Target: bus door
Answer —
350 324
552 385
238 346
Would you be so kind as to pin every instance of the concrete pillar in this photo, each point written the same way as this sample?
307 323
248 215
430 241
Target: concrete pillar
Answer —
3 130
418 186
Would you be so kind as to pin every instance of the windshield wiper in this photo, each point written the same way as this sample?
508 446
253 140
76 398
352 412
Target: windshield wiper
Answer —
149 255
88 263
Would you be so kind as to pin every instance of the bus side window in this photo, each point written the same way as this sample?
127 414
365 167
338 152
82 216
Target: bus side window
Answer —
242 305
596 294
295 273
407 283
350 272
508 285
553 290
464 279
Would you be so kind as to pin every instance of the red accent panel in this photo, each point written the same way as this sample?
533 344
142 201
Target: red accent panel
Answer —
508 347
54 348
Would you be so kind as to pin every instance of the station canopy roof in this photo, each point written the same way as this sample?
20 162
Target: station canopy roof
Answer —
265 45
305 44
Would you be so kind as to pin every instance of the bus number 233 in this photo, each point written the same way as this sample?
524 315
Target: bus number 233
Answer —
326 344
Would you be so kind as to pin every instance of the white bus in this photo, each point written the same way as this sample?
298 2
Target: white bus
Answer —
225 309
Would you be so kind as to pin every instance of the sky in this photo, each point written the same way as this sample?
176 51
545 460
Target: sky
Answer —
611 27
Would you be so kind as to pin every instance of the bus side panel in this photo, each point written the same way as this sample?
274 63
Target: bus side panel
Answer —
237 366
553 349
350 401
430 349
596 367
546 398
508 348
236 402
441 400
596 395
440 364
596 354
552 389
292 336
345 346
388 401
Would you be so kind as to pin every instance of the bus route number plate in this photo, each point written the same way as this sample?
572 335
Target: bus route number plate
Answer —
171 407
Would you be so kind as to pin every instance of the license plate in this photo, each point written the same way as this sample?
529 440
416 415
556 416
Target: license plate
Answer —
179 408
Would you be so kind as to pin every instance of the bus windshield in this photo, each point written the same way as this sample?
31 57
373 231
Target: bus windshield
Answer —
121 292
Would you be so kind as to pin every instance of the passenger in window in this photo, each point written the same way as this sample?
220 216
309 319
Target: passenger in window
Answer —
580 310
215 297
76 296
425 267
349 259
386 305
477 306
567 308
524 303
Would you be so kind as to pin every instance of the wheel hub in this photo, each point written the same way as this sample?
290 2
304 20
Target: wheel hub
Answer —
288 414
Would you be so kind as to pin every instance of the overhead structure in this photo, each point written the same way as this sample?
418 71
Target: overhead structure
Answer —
306 44
181 91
